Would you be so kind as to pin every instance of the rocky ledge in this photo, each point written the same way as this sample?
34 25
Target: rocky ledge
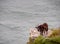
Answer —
52 38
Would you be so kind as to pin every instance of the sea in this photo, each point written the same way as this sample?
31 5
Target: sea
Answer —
18 16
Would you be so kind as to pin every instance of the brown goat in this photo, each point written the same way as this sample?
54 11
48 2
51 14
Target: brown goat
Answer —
42 28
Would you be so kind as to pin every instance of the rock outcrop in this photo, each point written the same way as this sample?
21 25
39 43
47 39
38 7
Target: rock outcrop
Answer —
53 37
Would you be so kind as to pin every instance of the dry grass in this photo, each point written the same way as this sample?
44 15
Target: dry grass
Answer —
55 32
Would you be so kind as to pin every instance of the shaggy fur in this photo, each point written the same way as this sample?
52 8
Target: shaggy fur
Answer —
42 28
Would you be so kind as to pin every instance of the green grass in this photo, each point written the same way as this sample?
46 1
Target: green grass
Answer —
52 40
